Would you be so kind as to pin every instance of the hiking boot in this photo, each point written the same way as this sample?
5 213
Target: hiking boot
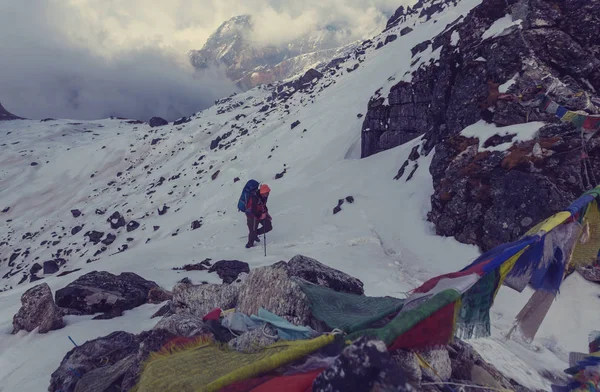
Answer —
249 245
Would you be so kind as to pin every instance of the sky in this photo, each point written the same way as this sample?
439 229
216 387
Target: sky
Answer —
89 59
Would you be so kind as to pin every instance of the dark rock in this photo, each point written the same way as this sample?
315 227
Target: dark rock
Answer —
350 199
228 270
132 225
379 45
101 292
311 270
354 68
64 273
156 228
76 213
100 212
76 230
110 238
405 31
6 209
122 355
390 38
414 154
50 267
110 314
236 180
157 122
264 109
336 209
295 124
192 267
359 115
196 224
35 268
215 175
38 310
34 164
412 173
13 257
155 141
94 236
215 143
364 366
309 76
280 175
33 278
116 220
182 120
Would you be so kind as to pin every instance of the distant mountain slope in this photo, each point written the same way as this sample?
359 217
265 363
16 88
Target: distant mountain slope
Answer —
251 63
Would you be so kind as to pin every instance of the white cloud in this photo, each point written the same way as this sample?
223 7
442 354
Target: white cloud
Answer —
93 58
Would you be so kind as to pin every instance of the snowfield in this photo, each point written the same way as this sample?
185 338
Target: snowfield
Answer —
383 238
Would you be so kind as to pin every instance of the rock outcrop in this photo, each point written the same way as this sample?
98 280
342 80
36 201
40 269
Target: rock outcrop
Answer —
485 194
103 292
112 362
38 310
5 115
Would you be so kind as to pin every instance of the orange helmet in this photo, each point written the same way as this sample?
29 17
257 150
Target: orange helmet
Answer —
264 189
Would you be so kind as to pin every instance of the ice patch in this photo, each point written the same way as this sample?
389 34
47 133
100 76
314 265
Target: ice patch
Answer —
498 27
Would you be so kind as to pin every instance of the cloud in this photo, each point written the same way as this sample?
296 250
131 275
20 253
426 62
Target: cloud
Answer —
89 59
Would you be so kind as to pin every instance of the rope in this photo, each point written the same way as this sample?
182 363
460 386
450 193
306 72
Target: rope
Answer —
467 386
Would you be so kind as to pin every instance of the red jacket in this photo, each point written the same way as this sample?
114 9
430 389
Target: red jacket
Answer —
257 206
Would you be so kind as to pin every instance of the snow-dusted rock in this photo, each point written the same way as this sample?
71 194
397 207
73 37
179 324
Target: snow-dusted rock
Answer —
111 362
198 300
103 292
157 122
38 310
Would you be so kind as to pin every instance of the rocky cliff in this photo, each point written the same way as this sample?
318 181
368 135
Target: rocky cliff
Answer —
484 71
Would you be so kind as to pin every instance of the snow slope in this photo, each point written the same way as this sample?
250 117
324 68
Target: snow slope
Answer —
383 238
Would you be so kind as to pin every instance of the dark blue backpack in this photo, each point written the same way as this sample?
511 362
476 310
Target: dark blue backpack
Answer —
251 186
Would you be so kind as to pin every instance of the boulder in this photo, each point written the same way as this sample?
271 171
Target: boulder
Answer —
274 289
35 268
103 292
295 124
110 238
38 310
228 270
311 270
121 355
76 230
157 122
76 213
50 267
132 225
198 300
186 325
365 365
116 220
182 120
196 225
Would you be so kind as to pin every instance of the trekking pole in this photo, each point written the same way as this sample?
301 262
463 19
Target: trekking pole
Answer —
265 242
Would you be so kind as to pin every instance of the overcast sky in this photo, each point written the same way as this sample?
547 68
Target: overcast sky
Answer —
87 59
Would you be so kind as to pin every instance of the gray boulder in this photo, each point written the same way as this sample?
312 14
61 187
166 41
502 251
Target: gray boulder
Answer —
38 310
274 288
198 300
109 363
103 292
253 341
